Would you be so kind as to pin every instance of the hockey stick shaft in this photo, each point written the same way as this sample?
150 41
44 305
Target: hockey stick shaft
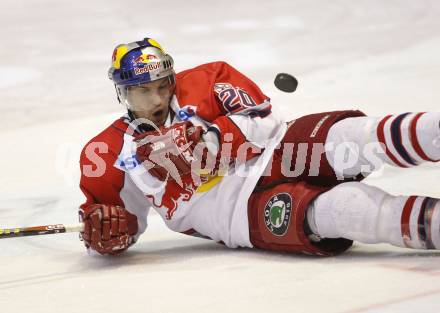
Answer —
40 230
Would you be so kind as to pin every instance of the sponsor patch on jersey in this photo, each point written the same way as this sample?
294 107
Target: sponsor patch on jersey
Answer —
277 213
127 163
187 112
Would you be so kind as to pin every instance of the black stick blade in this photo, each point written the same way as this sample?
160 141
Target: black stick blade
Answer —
285 82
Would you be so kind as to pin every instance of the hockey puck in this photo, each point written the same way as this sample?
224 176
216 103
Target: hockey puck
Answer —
285 82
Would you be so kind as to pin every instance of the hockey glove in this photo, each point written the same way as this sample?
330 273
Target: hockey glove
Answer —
108 229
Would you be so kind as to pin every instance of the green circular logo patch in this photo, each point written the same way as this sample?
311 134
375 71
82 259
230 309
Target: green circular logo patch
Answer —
277 213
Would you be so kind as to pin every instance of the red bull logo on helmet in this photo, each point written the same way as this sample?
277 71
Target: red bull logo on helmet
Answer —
145 59
147 68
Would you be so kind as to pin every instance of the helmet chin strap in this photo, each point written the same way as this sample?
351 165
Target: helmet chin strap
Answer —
117 94
142 127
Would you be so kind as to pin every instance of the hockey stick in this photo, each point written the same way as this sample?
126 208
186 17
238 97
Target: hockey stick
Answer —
40 230
286 82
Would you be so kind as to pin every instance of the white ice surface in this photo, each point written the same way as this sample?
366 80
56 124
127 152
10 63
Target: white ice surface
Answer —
380 56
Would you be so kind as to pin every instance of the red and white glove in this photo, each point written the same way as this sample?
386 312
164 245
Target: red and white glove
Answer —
108 229
171 150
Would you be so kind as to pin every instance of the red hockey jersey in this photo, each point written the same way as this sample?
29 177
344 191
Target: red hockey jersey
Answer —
218 97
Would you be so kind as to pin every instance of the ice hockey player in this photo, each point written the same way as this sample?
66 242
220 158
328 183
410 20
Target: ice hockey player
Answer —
204 149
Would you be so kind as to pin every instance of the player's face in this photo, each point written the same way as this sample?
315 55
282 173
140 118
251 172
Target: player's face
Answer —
151 100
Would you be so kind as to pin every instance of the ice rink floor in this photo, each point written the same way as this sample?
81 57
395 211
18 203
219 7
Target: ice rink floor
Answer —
378 56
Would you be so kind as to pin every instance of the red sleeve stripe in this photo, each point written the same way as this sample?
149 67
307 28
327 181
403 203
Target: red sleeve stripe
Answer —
381 137
415 142
405 220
